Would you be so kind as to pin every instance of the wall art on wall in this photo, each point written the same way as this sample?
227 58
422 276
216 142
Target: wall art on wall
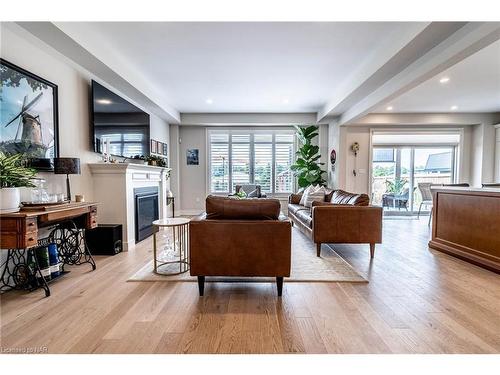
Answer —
165 149
28 113
154 146
192 156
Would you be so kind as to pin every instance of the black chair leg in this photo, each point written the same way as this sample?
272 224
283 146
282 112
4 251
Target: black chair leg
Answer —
201 285
279 285
419 209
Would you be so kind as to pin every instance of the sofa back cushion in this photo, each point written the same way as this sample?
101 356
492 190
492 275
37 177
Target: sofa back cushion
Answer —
242 209
343 197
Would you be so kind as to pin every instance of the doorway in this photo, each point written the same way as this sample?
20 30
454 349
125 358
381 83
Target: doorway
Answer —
397 172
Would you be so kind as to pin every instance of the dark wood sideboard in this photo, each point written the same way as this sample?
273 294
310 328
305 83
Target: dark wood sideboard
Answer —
466 224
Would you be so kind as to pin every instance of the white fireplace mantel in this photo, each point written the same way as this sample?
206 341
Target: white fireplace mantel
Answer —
114 185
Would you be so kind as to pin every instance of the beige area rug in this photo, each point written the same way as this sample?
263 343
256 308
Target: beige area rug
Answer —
306 267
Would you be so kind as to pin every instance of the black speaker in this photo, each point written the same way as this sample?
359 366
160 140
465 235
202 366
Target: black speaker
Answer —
106 239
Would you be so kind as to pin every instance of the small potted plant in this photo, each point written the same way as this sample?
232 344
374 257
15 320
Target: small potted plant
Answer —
156 161
13 175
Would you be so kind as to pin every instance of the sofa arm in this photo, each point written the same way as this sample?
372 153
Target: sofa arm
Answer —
294 198
346 223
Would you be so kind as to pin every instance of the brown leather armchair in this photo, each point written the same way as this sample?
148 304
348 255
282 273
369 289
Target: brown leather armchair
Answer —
342 218
245 237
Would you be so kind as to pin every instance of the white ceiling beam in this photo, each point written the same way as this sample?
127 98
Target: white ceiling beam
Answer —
393 55
469 39
248 119
56 38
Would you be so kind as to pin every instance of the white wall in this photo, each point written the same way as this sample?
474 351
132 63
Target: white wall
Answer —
21 48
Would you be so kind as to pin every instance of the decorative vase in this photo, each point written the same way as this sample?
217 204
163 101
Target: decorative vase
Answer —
10 200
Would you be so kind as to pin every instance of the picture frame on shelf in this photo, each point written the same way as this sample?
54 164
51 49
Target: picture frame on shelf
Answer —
154 146
165 149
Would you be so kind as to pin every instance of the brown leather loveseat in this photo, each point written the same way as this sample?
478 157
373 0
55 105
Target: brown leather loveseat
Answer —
245 237
341 217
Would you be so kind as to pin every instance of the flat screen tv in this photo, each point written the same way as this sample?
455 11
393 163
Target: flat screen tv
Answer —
122 124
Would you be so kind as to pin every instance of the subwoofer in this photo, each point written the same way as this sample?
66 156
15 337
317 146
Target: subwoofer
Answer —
106 239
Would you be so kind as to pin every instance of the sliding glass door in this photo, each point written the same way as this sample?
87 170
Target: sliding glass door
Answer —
399 173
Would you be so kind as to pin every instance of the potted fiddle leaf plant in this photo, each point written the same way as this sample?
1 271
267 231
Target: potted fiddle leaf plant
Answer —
307 167
13 175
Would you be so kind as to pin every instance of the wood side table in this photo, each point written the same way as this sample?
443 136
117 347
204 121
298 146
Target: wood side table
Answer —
175 259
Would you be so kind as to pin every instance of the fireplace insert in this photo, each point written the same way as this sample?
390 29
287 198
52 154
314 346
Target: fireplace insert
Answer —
146 211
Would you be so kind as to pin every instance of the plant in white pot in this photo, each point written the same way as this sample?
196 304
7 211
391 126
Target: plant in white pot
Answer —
13 175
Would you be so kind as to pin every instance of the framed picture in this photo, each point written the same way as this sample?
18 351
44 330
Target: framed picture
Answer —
160 148
28 113
154 145
165 149
192 156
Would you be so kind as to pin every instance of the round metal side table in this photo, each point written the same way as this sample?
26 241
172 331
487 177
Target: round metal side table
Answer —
174 259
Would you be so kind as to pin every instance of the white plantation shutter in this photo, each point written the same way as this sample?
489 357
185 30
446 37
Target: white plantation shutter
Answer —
260 157
240 164
263 161
283 160
219 167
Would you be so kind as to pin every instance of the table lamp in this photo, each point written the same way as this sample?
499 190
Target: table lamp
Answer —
67 166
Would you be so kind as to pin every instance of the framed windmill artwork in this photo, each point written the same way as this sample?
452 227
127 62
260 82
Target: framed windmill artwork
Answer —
28 114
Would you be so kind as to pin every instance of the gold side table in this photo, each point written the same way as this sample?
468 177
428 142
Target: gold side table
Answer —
174 260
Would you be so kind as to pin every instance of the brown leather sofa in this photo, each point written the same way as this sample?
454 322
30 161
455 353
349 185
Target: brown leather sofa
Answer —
342 218
245 237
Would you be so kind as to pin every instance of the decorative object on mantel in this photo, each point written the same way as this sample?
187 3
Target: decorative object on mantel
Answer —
13 175
67 166
355 149
192 156
165 149
30 125
157 161
137 159
154 146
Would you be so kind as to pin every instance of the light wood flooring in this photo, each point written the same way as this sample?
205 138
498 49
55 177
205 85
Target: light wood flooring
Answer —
418 301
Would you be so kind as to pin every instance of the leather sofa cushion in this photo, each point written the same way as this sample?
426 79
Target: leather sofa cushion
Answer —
305 217
244 209
343 197
293 208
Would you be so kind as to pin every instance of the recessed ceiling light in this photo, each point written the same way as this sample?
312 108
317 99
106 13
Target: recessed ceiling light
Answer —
103 101
444 80
389 108
209 101
285 101
454 107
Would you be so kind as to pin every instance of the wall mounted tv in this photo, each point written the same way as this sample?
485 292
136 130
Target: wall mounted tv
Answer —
114 119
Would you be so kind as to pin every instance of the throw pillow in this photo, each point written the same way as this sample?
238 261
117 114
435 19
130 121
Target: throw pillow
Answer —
317 195
304 195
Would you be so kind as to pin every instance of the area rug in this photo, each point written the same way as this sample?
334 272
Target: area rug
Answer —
306 267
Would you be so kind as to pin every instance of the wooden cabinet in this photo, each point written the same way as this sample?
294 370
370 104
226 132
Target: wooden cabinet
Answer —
20 230
466 224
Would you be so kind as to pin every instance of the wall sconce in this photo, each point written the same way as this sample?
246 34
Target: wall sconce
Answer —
355 149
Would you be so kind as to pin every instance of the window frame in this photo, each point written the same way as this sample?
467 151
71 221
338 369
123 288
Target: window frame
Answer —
252 142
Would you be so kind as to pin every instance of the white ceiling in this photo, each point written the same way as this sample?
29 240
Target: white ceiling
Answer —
241 67
473 86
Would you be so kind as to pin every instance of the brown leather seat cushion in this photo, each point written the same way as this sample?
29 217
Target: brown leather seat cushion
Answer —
293 208
305 217
244 209
343 197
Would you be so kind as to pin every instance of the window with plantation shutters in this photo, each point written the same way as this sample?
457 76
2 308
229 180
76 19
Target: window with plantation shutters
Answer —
262 157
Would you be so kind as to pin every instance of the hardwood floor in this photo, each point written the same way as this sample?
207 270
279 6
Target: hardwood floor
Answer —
417 301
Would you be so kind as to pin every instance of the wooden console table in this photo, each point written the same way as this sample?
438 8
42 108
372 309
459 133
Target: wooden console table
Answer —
19 236
466 224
